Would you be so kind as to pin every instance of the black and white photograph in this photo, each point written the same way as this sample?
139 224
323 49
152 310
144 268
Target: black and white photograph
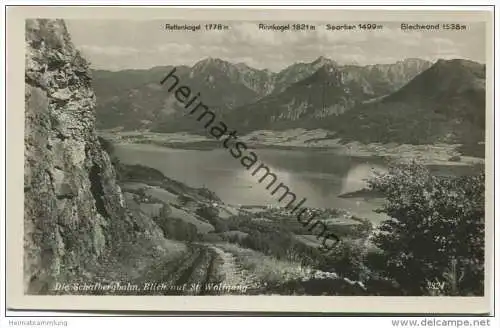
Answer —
220 158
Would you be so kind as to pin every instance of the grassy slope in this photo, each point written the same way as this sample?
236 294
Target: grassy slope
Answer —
203 261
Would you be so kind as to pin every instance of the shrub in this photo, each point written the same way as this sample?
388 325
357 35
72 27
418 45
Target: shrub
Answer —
211 238
184 200
437 223
141 172
109 148
211 214
174 228
348 260
207 212
106 145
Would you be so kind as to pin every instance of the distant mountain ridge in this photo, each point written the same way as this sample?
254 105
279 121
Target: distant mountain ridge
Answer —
298 71
411 101
133 99
326 92
330 90
445 103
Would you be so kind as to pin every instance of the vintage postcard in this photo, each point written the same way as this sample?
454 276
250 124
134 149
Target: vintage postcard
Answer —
284 160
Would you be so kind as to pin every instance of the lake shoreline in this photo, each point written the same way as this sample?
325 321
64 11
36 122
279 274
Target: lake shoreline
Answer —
303 140
326 179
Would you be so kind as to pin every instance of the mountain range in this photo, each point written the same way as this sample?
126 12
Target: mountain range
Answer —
410 101
445 103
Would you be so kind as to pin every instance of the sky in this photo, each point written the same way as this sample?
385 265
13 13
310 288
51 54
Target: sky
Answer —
136 44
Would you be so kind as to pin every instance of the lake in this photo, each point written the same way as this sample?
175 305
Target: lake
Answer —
318 176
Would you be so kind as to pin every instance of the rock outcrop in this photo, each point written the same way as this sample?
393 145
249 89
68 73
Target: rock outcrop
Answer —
75 217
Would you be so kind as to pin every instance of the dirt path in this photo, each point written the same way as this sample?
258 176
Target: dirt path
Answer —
206 266
234 275
185 275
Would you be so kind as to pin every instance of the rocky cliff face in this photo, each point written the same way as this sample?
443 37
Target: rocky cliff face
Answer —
74 211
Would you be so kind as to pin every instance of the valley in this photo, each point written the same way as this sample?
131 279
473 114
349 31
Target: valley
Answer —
312 140
239 248
121 186
239 240
326 130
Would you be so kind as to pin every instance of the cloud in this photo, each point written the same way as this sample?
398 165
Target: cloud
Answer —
174 48
443 42
110 50
143 44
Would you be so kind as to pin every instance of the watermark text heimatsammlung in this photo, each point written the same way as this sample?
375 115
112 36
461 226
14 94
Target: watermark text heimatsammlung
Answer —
248 159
